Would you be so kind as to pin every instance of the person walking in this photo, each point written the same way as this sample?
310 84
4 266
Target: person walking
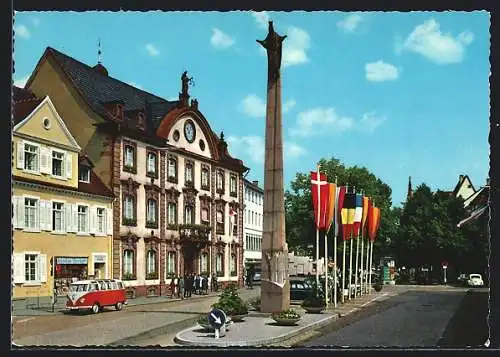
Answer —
180 289
215 288
186 286
172 288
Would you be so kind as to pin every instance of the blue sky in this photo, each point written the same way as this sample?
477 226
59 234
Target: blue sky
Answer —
403 94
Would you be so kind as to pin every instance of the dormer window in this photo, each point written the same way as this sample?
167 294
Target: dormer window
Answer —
84 174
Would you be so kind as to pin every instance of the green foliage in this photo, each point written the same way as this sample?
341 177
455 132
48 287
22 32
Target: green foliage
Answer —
316 298
231 303
287 314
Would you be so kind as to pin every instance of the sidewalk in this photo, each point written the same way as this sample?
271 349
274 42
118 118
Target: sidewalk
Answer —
42 306
129 326
263 331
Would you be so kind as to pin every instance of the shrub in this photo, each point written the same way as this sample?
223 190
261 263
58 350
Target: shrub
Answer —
231 303
287 314
316 298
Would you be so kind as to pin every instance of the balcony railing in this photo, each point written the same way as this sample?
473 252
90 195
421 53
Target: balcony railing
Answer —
196 233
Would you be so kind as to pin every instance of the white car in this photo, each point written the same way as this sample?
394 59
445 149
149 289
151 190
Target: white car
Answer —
475 280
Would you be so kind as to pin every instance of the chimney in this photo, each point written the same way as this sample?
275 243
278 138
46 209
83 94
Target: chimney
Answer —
461 178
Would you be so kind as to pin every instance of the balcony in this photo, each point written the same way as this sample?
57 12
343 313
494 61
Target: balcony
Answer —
194 233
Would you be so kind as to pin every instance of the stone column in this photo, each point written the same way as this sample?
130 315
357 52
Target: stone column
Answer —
275 287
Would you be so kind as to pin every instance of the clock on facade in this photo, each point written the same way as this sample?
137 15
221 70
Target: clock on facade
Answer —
189 131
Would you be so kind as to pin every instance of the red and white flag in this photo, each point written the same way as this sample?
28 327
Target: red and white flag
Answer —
319 184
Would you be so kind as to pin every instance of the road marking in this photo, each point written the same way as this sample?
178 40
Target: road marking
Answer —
25 320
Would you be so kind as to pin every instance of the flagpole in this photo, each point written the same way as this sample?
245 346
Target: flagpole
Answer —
368 266
343 273
361 258
335 280
357 268
317 229
326 270
350 256
371 262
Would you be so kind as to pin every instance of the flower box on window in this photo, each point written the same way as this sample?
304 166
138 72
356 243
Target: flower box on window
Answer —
220 274
152 276
152 224
204 273
170 275
128 276
172 179
129 222
130 168
173 226
220 190
233 194
233 273
152 174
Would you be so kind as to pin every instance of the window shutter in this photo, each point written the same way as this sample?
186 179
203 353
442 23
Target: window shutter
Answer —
63 218
69 165
48 215
42 267
69 221
38 214
14 212
91 267
20 154
92 219
41 215
20 212
44 160
18 268
74 216
109 220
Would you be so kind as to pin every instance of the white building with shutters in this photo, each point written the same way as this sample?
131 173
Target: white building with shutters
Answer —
61 211
252 224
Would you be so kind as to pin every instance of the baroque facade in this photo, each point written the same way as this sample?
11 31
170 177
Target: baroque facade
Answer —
177 188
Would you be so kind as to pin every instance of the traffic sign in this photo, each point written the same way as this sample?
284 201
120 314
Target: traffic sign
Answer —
444 264
217 318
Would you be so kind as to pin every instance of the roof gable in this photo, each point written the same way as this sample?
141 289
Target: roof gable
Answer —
464 187
45 123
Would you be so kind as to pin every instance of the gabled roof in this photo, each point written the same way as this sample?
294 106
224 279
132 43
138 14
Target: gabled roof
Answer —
47 101
97 88
463 179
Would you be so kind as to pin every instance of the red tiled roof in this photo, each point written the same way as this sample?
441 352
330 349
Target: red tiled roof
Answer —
24 103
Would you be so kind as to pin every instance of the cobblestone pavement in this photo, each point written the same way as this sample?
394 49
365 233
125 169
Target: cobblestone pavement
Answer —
109 326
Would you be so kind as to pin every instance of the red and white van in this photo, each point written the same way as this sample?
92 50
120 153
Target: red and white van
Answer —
94 295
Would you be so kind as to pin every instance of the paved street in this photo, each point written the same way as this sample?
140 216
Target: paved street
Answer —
111 326
418 317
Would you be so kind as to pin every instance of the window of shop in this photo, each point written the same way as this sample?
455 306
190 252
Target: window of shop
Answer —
68 270
128 263
171 263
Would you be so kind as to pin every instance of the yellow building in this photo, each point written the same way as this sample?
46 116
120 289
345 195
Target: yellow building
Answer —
62 212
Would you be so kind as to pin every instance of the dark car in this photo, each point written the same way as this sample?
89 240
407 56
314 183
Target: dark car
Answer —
299 289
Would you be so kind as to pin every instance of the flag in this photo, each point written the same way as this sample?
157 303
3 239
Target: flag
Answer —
319 184
365 215
375 222
232 215
358 214
332 197
339 202
347 213
369 217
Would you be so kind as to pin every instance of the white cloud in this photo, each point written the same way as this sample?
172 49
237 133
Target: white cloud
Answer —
35 20
371 121
262 18
21 82
295 46
253 106
442 48
288 105
320 121
350 22
21 31
293 150
380 71
152 50
221 40
251 146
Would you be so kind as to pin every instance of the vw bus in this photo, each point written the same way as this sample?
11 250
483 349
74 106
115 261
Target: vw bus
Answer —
94 295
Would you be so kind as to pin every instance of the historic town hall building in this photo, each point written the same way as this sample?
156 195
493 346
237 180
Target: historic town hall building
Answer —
177 189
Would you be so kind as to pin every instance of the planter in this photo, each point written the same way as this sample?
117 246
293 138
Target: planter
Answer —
286 322
313 309
206 326
238 318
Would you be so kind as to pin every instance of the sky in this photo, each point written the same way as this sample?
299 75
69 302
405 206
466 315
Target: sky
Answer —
402 94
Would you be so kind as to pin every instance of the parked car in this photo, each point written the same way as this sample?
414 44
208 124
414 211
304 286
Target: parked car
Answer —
94 295
299 289
475 280
462 279
256 277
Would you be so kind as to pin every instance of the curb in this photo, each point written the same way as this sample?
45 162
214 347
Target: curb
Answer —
260 342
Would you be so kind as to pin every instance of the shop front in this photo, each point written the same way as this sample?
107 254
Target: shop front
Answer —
68 270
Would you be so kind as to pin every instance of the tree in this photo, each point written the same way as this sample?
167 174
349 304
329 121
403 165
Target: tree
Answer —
300 228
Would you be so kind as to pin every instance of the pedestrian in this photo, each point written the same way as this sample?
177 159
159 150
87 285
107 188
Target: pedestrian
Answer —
204 284
176 285
180 290
186 286
214 283
197 284
172 288
191 284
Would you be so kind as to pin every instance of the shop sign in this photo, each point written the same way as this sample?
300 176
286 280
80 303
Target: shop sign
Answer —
99 258
72 260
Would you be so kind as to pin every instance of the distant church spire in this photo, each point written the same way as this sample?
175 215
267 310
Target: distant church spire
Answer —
99 52
410 192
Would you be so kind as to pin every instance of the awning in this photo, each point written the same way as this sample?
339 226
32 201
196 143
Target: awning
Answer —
476 214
